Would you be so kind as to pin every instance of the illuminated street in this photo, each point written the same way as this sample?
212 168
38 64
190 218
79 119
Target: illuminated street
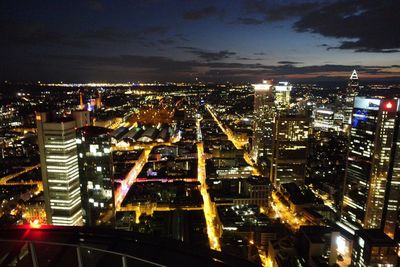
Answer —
325 197
126 184
285 214
231 137
225 130
130 178
210 212
265 260
5 179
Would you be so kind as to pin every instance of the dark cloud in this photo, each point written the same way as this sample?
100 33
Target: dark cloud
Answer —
181 37
250 21
289 62
259 54
205 12
283 12
109 35
127 67
370 26
140 36
366 25
154 30
248 58
208 55
23 32
255 6
269 11
32 33
167 41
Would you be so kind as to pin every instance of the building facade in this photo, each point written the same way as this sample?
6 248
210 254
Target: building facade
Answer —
81 118
60 172
372 183
264 113
373 248
96 174
282 95
290 148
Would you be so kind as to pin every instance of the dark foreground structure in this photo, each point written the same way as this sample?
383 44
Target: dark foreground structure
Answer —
50 246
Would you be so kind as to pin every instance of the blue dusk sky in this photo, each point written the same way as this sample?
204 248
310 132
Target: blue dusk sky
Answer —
220 40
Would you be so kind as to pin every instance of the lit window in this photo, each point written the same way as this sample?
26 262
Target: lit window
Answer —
361 242
93 148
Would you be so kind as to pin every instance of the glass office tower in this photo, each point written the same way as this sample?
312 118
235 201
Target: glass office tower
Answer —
282 95
371 192
264 113
96 175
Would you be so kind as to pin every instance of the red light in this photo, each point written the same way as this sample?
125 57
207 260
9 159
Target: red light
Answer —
389 105
35 224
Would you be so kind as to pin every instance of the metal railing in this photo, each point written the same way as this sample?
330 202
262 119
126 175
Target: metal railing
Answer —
31 247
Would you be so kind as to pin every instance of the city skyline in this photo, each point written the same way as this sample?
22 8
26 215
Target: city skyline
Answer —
256 171
198 132
210 40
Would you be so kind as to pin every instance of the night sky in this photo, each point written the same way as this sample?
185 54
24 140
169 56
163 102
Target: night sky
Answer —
220 40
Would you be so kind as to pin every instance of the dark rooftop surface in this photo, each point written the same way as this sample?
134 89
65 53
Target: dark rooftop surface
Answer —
315 233
93 130
375 237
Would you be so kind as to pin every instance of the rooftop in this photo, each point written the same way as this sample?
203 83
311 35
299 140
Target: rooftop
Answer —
375 237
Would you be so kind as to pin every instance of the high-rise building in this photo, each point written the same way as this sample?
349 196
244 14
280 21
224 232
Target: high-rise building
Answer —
264 116
351 92
290 148
81 118
372 183
326 163
282 95
59 165
373 248
327 120
96 174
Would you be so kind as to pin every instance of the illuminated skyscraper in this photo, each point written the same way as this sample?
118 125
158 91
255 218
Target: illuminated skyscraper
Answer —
351 92
327 120
372 183
282 95
264 113
290 148
96 173
81 117
60 173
